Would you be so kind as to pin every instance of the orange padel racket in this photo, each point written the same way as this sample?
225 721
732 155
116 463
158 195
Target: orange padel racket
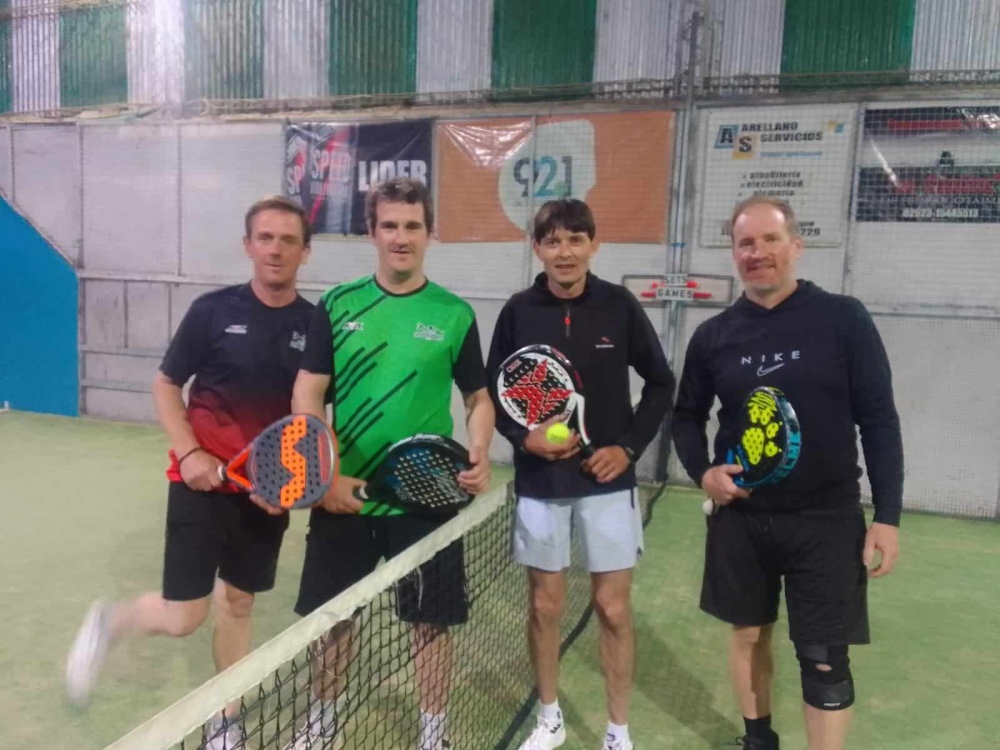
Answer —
291 464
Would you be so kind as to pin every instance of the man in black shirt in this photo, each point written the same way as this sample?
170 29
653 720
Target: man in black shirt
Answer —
603 331
824 352
242 344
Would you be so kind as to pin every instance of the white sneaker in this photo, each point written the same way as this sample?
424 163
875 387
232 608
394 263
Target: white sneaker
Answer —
86 656
220 734
617 744
547 735
319 732
433 733
434 744
429 741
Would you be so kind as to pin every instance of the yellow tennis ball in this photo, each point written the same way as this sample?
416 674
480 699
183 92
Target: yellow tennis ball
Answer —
557 433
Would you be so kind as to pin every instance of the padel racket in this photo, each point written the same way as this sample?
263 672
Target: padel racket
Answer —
291 464
418 475
538 382
768 443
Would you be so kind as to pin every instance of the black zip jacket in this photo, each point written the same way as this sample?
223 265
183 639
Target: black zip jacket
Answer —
603 332
824 352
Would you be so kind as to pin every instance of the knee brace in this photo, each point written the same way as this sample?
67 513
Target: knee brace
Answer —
826 689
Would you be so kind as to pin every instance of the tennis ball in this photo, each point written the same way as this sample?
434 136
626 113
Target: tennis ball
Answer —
557 433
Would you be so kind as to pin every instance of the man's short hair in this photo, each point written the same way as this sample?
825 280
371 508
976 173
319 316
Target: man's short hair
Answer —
791 223
278 203
570 214
399 190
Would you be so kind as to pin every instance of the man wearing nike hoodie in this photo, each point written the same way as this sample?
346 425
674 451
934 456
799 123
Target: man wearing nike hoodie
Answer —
824 352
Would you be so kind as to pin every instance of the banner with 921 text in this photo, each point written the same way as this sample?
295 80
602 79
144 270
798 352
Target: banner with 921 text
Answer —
494 174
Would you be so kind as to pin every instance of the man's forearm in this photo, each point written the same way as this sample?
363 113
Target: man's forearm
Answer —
480 420
169 403
309 394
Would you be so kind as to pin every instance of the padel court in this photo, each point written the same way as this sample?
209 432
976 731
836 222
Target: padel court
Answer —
85 502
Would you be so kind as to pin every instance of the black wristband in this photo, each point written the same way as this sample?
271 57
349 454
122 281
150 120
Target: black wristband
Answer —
193 450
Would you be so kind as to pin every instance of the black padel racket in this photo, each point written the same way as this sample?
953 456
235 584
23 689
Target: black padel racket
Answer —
418 475
291 464
768 440
538 382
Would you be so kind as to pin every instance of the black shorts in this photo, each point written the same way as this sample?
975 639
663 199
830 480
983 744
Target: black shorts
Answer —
343 549
211 533
817 552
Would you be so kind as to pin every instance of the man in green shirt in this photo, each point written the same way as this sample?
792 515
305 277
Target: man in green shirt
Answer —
385 349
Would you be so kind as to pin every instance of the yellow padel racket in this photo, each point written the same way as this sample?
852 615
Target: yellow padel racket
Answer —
768 440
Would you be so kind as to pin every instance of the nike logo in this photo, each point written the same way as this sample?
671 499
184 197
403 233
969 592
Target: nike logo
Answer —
762 371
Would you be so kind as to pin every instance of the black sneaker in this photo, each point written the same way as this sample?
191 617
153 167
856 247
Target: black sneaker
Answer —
756 743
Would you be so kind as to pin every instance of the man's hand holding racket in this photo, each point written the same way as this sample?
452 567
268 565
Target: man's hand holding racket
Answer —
539 445
200 470
718 484
340 497
476 480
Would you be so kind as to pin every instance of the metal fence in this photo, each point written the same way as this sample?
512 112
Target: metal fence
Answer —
60 57
102 190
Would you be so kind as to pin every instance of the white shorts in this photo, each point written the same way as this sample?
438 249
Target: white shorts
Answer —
609 528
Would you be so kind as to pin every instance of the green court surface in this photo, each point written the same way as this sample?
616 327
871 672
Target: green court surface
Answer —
84 507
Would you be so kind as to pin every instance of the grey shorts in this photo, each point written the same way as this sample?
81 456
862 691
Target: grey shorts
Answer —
609 528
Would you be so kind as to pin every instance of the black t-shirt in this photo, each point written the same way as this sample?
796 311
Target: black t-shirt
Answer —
244 357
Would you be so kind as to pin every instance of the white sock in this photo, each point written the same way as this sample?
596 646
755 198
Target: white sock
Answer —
432 726
323 714
550 712
617 732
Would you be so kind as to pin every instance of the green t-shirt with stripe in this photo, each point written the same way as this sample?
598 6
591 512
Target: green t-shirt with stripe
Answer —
392 360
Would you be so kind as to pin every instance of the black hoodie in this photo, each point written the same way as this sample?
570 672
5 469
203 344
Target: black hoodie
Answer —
824 352
602 332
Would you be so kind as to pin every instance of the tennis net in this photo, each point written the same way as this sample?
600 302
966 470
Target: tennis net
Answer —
491 689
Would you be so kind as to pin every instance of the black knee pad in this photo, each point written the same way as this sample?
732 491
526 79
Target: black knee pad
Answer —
827 690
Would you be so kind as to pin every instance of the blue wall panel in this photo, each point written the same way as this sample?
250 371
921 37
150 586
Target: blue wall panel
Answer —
39 355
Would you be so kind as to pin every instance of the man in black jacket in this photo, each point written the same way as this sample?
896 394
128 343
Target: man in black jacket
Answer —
824 352
603 331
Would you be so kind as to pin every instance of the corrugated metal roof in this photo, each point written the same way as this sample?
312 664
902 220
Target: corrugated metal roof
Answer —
373 47
543 43
848 35
454 45
638 39
742 42
956 35
296 48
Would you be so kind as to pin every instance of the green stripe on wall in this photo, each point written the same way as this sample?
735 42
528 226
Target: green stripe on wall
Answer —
543 43
93 43
373 47
6 62
847 35
224 49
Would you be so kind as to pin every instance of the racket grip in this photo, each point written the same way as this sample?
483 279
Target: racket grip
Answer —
586 450
222 473
360 494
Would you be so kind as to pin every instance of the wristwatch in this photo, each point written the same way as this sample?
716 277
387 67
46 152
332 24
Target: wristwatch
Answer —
628 452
